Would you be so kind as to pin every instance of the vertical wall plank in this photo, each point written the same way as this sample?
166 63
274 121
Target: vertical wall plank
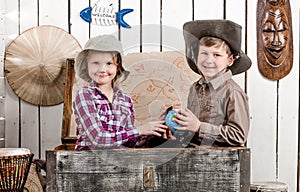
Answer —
11 100
79 28
212 9
201 7
2 129
288 112
11 118
98 29
54 15
172 26
234 14
172 9
151 25
2 13
2 85
2 112
262 99
51 116
28 14
29 112
2 51
2 122
130 38
172 35
2 36
2 79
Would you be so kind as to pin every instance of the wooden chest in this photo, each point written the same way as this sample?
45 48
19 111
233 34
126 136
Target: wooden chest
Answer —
151 169
164 169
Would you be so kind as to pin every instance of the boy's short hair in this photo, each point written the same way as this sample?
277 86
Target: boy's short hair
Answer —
208 41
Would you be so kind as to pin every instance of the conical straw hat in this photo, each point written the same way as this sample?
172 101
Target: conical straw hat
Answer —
35 64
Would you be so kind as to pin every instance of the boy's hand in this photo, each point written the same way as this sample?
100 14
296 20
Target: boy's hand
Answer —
187 120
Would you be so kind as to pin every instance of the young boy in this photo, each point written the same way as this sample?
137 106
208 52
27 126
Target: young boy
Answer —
217 112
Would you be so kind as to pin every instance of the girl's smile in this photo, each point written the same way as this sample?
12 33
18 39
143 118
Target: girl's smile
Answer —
101 67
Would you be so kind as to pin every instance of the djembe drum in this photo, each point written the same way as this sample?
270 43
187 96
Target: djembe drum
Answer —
269 186
14 168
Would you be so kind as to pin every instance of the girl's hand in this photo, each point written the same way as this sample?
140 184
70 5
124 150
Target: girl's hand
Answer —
169 134
156 128
187 120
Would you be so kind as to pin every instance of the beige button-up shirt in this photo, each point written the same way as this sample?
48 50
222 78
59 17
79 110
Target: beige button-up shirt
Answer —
222 107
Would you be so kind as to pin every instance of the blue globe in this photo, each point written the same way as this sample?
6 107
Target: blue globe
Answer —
170 123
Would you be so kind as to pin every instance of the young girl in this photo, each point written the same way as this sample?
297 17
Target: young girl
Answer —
217 111
103 113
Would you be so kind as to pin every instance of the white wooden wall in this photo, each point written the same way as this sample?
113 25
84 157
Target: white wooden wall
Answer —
2 89
274 105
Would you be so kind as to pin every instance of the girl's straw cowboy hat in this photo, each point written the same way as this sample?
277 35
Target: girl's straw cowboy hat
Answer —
105 43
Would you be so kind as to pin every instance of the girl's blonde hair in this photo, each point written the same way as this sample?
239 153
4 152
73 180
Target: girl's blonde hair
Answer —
117 59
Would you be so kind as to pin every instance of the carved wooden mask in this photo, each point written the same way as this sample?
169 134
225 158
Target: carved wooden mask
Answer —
274 38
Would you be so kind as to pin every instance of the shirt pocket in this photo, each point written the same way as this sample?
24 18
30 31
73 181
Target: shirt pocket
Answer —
217 109
194 106
126 116
106 118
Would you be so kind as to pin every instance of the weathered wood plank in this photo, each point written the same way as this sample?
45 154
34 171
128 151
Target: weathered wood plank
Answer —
221 169
245 169
223 159
51 171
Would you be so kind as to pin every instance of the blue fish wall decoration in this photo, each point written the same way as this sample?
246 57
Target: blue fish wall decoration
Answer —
105 15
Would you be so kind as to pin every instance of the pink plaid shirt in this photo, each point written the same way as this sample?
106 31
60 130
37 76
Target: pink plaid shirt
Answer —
102 124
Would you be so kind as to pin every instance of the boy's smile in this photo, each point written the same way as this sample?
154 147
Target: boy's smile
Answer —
212 60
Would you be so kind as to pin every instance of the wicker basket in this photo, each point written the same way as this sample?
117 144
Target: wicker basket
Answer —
14 167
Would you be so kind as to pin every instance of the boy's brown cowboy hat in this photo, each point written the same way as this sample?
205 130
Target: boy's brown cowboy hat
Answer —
226 30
